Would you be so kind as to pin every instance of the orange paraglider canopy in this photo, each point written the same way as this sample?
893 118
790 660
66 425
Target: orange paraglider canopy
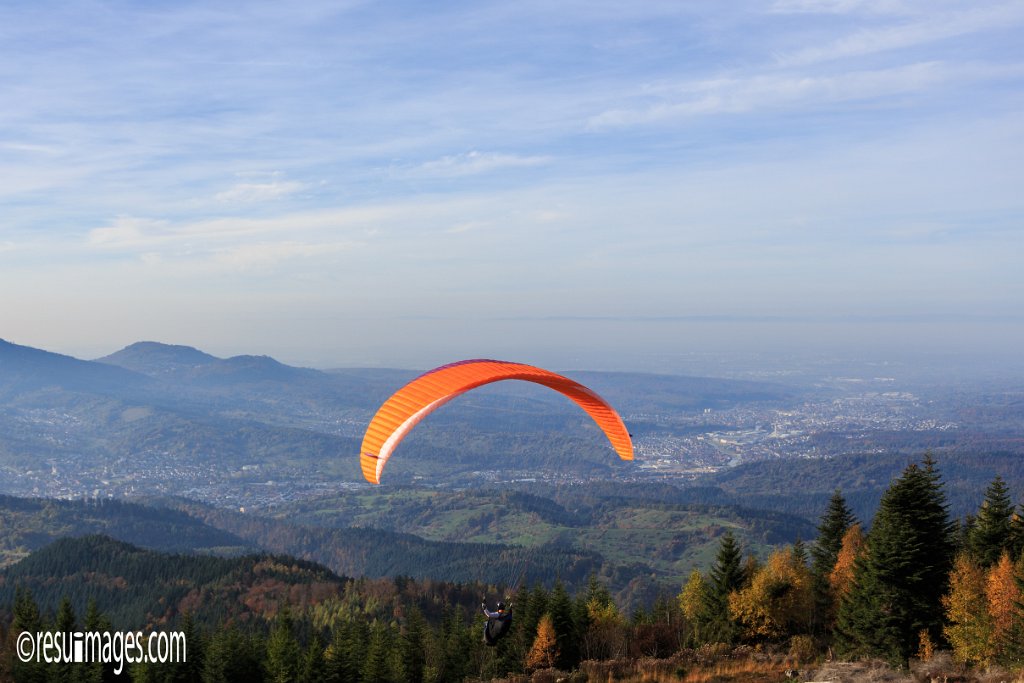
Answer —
420 397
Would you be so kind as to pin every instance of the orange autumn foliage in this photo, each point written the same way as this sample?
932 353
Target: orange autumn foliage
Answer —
841 578
545 646
1002 594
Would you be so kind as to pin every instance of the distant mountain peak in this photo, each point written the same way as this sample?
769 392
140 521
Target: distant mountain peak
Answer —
157 358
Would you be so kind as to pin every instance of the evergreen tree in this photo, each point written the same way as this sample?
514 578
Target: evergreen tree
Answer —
1016 543
376 668
231 657
192 668
833 525
727 572
727 575
96 672
283 652
64 670
799 553
899 582
313 667
561 610
345 655
413 643
991 533
835 522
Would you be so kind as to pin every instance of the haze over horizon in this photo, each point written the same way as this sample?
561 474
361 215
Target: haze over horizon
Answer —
618 186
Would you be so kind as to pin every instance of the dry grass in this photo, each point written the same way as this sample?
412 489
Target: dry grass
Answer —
746 665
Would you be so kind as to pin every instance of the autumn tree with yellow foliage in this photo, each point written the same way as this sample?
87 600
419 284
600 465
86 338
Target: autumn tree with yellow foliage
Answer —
779 599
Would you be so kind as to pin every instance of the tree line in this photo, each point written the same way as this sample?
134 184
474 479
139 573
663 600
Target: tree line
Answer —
916 582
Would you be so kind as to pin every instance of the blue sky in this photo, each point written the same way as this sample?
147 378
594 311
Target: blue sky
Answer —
400 183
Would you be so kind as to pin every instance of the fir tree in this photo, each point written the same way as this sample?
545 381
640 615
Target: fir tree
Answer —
899 582
64 670
991 532
231 657
1016 542
313 667
727 575
282 651
413 637
96 672
561 610
345 657
376 667
834 523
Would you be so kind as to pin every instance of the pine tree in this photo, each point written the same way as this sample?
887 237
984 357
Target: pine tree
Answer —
835 522
345 656
899 581
413 636
312 666
1016 543
231 657
561 611
96 671
375 666
991 533
799 552
282 651
533 609
727 575
64 670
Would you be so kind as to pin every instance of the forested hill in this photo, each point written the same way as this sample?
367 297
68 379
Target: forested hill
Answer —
141 588
378 552
803 487
27 524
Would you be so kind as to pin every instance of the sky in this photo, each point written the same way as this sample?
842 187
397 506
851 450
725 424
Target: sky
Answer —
602 184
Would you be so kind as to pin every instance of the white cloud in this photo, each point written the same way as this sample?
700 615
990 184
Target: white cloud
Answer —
259 192
474 162
128 232
842 6
794 90
929 28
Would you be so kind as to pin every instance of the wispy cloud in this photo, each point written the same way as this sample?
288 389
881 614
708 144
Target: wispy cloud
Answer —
259 192
929 28
565 158
475 163
844 6
793 91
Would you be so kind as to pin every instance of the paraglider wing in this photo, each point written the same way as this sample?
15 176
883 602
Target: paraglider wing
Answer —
420 397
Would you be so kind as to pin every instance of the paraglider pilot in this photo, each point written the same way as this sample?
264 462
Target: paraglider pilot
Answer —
497 625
